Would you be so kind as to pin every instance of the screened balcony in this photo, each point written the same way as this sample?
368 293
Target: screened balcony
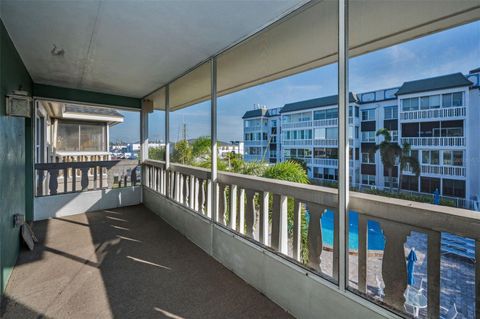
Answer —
178 229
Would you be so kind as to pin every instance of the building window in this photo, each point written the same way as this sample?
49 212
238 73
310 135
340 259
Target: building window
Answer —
391 183
300 153
429 185
368 158
410 183
454 158
391 112
297 117
368 180
368 136
410 104
452 99
430 157
454 188
326 114
394 135
81 137
368 115
430 102
320 152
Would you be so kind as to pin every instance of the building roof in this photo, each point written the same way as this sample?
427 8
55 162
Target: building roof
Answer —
314 103
255 113
477 70
436 83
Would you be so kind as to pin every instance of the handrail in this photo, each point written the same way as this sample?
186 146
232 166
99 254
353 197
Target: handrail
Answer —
438 218
302 192
199 172
64 165
70 177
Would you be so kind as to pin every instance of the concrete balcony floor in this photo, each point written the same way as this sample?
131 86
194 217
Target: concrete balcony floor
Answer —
125 263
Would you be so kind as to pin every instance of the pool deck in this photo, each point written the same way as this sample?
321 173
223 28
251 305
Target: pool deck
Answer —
125 263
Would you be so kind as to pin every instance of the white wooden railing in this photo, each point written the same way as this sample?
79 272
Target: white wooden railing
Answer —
443 170
296 124
434 141
257 208
297 142
70 177
326 162
451 112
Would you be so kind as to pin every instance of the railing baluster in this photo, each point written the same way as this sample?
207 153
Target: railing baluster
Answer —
263 220
362 252
191 193
241 210
201 197
433 274
394 269
250 212
181 193
297 230
233 207
283 227
315 244
209 199
221 203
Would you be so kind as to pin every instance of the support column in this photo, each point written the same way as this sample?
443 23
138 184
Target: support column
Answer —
167 139
213 137
343 147
144 130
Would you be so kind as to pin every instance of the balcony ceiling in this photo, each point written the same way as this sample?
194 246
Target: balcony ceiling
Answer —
128 47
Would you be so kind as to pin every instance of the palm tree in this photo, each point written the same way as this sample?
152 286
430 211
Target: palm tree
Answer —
407 160
182 153
392 153
389 152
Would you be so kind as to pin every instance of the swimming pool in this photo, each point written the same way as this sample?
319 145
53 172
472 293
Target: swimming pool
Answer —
375 237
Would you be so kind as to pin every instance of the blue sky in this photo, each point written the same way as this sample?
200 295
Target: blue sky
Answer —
454 50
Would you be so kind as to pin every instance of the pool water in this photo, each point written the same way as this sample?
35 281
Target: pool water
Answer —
375 237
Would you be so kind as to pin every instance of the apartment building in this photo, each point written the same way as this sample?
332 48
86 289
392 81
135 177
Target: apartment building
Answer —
438 117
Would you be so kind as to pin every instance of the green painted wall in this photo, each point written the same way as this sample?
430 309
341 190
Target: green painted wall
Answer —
55 92
13 163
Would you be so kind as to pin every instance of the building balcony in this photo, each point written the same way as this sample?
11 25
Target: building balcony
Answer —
443 113
443 170
149 238
258 128
256 143
439 171
253 158
296 142
327 162
434 141
303 124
